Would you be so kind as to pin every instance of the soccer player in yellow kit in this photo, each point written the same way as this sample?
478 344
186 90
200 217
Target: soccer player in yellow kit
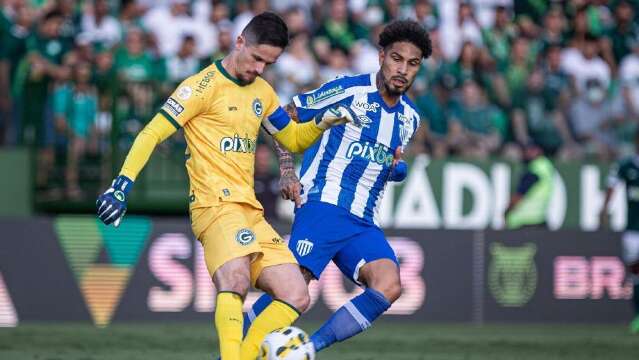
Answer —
221 110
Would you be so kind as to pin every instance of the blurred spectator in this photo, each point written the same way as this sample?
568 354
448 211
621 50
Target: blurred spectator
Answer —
168 25
365 52
459 29
519 66
296 20
242 19
184 63
624 32
133 62
129 17
629 76
100 28
592 116
424 13
336 30
45 50
205 31
296 68
338 65
554 27
498 38
586 65
477 127
224 42
14 33
538 119
76 110
435 108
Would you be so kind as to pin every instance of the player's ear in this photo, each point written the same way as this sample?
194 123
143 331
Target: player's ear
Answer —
240 42
381 56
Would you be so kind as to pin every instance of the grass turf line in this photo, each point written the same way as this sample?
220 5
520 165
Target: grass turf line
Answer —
384 341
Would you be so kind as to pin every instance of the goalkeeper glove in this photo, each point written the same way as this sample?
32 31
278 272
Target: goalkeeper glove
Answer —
111 205
336 115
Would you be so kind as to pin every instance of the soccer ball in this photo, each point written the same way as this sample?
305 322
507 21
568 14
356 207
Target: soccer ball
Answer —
289 343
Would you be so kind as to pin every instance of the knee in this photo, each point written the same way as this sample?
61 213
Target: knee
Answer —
237 281
390 288
297 297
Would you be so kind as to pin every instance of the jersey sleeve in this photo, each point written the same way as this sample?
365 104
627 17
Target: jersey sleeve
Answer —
188 100
311 103
275 118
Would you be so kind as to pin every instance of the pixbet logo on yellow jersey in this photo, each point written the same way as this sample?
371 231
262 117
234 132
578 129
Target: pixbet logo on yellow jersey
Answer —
237 144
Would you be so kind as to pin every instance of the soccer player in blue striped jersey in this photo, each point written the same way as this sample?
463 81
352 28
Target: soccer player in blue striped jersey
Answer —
343 177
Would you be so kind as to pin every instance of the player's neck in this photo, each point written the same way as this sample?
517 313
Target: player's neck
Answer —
229 63
390 99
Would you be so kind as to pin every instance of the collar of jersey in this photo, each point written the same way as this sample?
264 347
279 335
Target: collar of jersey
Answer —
218 64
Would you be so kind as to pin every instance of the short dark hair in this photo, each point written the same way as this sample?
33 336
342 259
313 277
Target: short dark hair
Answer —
267 28
409 31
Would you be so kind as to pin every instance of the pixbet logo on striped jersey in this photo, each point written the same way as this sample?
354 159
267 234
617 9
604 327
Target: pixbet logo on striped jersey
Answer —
376 153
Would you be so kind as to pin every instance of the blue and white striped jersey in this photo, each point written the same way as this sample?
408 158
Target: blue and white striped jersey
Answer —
350 165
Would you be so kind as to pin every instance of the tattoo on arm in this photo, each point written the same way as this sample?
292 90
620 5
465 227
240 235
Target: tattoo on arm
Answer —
285 159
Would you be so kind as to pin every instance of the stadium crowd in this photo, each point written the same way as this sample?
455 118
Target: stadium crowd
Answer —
80 78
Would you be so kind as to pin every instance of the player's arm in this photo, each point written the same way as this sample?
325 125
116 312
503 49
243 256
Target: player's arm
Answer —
613 180
181 106
526 183
298 136
290 186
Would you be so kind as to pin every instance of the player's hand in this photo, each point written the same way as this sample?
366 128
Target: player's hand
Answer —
290 188
399 169
111 205
336 115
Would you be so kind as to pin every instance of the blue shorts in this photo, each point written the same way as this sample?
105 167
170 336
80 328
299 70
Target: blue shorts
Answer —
323 232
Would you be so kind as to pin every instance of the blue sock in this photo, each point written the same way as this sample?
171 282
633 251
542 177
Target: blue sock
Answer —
351 319
260 304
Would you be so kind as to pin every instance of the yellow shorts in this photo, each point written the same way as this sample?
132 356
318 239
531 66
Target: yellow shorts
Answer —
232 230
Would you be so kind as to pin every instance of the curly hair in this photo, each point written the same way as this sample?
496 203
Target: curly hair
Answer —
409 31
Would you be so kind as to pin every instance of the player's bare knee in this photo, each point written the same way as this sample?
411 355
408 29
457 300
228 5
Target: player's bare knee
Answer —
390 289
298 297
235 279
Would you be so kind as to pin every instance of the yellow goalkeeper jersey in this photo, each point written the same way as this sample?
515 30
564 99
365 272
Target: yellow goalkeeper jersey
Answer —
221 120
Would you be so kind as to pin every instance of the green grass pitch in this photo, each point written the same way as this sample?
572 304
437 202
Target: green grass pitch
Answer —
388 341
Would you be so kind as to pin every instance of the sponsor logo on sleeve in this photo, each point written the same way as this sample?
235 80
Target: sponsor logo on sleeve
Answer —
173 107
316 97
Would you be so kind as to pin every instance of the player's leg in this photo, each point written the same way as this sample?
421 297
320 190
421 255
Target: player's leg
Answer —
286 286
265 300
278 274
318 233
630 253
368 260
229 246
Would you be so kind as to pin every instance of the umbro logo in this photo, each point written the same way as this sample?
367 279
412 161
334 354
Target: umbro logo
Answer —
232 108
